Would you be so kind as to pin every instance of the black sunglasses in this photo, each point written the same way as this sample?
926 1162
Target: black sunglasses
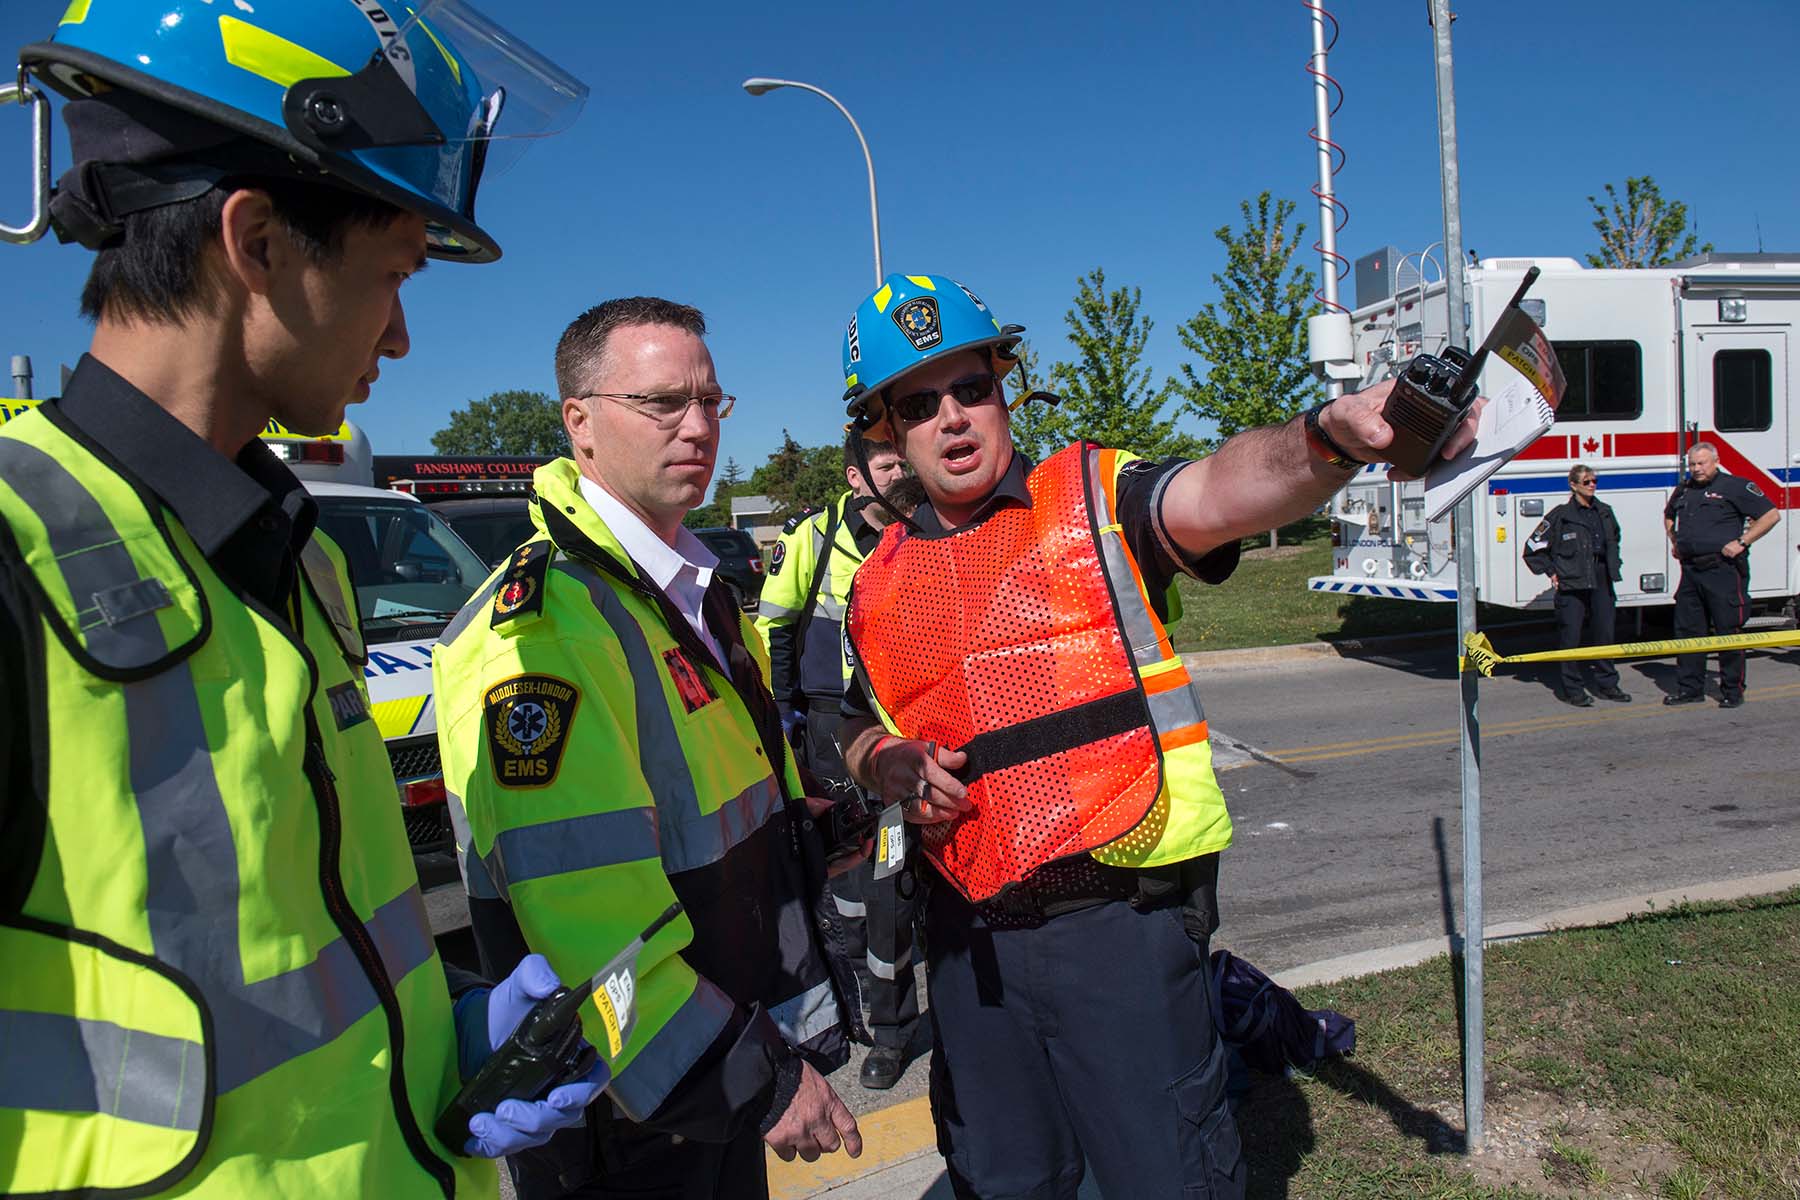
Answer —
922 406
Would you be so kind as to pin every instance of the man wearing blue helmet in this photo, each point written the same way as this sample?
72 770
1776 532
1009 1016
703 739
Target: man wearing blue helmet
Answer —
1017 693
219 977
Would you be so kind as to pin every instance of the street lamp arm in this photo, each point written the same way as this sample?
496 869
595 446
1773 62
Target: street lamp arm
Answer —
759 85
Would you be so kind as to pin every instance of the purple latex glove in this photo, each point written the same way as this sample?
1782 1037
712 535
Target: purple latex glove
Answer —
521 1124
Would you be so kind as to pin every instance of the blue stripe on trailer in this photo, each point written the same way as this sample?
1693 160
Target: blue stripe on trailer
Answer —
1529 485
1390 591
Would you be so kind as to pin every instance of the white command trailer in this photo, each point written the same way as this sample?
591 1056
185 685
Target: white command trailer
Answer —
1656 360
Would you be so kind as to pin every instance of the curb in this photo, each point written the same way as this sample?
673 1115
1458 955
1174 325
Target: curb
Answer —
901 1133
1605 912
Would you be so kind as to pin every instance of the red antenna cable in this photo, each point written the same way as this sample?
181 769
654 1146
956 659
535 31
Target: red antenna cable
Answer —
1333 215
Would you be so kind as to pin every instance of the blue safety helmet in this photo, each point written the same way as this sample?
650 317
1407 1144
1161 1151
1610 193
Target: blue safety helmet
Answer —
406 103
911 320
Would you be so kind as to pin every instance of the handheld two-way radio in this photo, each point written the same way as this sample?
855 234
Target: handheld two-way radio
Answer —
1433 395
546 1048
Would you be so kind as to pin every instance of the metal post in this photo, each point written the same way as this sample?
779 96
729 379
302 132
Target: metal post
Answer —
1474 1041
1327 214
21 376
758 86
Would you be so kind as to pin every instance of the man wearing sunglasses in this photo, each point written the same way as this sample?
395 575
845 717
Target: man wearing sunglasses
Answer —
1577 546
611 747
1016 692
801 619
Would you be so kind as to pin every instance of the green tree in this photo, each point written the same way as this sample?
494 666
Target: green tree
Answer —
1106 392
1253 337
797 477
1643 230
512 422
731 474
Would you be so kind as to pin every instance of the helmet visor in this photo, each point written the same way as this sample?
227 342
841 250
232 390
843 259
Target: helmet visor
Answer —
480 83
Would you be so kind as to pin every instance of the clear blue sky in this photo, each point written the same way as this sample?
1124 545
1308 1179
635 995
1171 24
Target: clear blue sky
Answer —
1017 146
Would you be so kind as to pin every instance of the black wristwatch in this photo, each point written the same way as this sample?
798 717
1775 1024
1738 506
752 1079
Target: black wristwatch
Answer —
1321 443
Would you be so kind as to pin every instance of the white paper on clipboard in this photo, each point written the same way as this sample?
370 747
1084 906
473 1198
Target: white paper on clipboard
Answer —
1524 385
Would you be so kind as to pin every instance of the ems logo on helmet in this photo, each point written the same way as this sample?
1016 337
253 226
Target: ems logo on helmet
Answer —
918 320
527 719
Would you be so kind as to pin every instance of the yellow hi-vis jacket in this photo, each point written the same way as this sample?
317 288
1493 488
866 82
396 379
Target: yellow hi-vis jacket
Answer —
819 669
600 765
221 982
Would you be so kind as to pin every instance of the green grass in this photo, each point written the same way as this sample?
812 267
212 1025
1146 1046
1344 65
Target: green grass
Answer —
1265 603
1658 1057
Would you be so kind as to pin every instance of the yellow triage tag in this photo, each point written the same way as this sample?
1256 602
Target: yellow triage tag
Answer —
613 998
890 842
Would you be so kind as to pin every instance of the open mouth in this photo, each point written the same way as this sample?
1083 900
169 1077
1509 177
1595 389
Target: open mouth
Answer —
959 452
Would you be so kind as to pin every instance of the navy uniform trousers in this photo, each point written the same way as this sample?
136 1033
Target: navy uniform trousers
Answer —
877 914
1715 596
1084 1036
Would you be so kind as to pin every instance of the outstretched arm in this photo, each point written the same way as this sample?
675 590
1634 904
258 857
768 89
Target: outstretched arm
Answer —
1265 478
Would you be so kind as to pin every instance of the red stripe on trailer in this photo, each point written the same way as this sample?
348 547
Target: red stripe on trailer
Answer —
1733 460
1548 446
1631 445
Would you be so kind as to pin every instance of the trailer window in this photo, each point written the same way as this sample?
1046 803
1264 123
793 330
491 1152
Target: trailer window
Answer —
1606 381
1742 399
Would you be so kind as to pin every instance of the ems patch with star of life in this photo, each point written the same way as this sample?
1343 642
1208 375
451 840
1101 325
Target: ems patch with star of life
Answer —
526 721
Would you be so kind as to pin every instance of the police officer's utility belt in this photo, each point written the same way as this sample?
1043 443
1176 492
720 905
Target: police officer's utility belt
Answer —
1074 884
1706 562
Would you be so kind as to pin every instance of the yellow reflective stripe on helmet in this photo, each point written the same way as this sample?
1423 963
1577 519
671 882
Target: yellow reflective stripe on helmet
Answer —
923 281
270 55
78 10
850 381
882 297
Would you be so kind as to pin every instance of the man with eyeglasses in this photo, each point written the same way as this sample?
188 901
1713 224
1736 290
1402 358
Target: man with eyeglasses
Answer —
1711 520
610 747
1017 694
1577 546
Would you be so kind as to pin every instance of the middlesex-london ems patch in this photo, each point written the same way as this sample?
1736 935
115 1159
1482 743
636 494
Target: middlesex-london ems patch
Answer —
527 719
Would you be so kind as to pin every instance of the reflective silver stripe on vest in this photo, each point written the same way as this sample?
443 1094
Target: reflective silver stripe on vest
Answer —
806 1016
89 553
885 970
478 882
689 838
479 603
829 609
850 908
1175 708
1139 623
602 839
649 1078
768 610
50 1062
192 900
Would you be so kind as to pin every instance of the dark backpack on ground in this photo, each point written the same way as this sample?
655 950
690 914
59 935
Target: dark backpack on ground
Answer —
1265 1023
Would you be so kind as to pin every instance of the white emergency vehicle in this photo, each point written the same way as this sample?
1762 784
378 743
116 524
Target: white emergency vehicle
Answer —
1656 360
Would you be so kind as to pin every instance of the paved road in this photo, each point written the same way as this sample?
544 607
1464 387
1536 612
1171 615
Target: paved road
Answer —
1352 839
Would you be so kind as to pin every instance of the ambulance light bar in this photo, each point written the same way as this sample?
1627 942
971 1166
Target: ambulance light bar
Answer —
463 487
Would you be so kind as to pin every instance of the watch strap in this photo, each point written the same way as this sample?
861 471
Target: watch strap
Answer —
1322 444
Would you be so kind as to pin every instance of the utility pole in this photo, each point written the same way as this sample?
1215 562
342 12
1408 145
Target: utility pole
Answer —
1455 293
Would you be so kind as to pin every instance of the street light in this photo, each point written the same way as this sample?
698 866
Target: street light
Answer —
758 86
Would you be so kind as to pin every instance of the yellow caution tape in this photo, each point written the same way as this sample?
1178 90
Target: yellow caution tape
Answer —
1481 655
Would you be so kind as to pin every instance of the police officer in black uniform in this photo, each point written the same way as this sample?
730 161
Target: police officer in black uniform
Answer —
1712 519
1577 546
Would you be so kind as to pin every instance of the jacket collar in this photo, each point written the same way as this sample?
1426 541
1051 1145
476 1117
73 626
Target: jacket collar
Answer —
562 514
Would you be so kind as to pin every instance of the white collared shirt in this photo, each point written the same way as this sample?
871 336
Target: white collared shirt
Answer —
682 571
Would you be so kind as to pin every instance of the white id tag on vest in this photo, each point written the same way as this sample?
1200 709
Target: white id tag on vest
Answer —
890 842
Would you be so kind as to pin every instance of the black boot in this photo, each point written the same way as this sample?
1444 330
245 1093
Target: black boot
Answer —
883 1067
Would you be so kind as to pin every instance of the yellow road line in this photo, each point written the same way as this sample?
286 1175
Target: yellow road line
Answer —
1326 751
890 1135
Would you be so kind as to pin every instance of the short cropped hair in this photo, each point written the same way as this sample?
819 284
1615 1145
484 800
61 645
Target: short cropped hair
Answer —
155 270
870 447
581 351
1577 471
1706 446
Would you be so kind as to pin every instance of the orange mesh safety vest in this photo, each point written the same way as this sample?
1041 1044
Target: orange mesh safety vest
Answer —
1028 641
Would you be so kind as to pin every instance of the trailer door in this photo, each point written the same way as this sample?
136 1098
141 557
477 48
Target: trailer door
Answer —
1740 378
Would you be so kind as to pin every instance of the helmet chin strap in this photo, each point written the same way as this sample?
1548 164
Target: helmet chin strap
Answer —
875 496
